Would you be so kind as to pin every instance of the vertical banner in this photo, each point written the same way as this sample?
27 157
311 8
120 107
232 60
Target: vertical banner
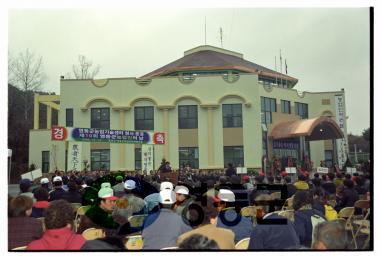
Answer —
74 158
147 158
341 143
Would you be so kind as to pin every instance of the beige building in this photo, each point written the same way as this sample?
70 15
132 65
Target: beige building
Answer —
214 106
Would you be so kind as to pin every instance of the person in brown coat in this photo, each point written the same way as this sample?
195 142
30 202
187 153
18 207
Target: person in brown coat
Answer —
223 237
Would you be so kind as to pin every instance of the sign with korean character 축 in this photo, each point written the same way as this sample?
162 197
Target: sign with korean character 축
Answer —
108 136
147 158
74 156
341 143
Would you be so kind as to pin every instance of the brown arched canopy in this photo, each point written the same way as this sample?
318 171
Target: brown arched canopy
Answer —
322 128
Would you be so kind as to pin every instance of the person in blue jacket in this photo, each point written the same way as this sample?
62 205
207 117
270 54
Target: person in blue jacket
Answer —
304 211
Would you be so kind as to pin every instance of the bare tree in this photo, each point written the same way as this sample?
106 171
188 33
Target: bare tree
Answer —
83 70
26 72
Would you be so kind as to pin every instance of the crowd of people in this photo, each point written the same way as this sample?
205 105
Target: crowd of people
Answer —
199 211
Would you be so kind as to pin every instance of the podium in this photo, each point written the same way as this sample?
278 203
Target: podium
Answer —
169 176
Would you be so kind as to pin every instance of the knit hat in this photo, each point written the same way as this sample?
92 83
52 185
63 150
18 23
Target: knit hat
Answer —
119 178
107 193
105 185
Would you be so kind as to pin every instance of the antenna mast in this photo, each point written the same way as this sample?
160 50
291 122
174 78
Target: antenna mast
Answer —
205 32
221 36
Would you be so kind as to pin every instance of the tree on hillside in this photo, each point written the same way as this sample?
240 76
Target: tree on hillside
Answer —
26 73
366 134
84 69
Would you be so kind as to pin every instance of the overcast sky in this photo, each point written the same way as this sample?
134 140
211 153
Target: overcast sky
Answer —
326 49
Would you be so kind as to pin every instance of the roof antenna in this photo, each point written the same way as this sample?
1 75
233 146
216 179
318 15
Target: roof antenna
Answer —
221 36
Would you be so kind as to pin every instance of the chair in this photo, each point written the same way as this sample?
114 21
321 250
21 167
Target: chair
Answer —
80 212
134 242
276 195
76 206
363 227
347 213
289 214
137 221
93 233
170 248
20 248
363 205
288 205
249 211
242 244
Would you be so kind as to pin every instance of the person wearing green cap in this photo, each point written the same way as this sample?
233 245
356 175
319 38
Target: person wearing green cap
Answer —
118 189
100 214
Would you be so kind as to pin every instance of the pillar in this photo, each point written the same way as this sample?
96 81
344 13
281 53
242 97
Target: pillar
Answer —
166 130
36 112
122 146
210 137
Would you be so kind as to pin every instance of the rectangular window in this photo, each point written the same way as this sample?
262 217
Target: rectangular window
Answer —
268 105
232 116
328 158
187 116
45 161
137 158
100 159
144 118
234 155
100 118
189 156
302 110
285 106
69 117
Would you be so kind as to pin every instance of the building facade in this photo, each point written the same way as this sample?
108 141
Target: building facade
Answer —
214 106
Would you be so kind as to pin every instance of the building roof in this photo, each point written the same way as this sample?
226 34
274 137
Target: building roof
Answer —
321 128
206 58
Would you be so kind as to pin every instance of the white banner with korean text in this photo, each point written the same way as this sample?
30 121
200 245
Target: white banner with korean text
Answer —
341 143
74 156
147 155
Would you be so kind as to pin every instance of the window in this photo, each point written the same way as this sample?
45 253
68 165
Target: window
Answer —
187 116
268 105
100 118
137 158
45 161
232 116
302 110
69 117
234 155
100 159
144 118
189 155
328 158
285 106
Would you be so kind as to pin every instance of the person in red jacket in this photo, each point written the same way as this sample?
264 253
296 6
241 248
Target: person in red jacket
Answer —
58 234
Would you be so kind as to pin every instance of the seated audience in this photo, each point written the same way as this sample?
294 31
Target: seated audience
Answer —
347 197
303 216
135 204
72 195
40 206
105 243
301 184
198 242
57 193
118 189
230 218
330 235
58 235
267 235
26 188
161 229
22 229
203 218
183 200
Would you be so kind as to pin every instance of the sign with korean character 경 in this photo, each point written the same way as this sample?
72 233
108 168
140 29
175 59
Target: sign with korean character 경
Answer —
108 136
147 153
74 158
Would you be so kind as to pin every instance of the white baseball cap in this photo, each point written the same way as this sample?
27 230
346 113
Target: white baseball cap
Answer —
167 196
44 181
57 178
130 184
226 195
166 186
181 190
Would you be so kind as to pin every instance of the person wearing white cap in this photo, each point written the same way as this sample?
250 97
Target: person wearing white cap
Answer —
100 215
182 200
135 204
166 185
58 192
45 183
229 216
161 229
